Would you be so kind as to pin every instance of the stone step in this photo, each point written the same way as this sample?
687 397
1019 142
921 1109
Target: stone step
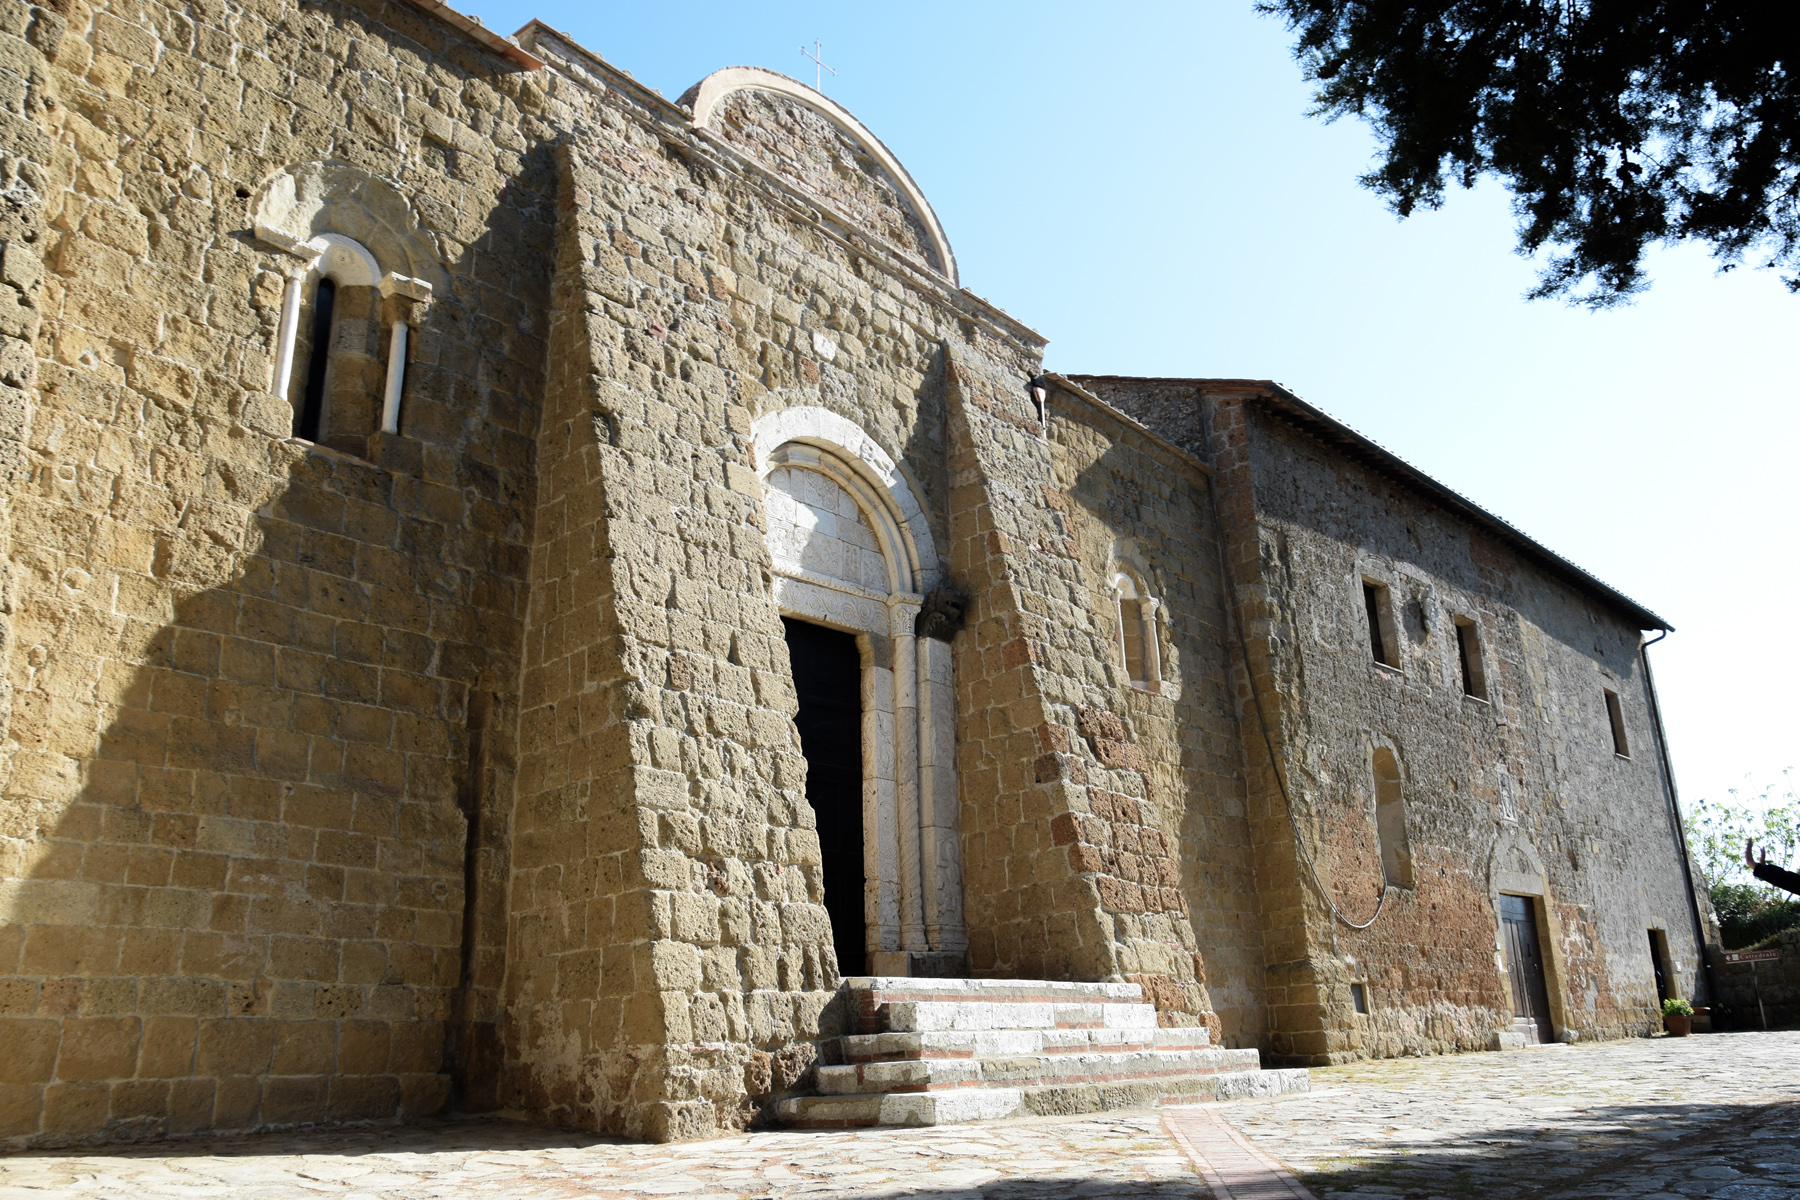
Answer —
942 1016
960 1105
942 1051
998 1043
906 987
878 1002
937 1074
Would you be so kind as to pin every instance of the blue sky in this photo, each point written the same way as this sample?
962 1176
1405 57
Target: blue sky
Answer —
1141 183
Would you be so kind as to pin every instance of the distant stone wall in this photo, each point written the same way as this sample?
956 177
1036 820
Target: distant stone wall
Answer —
1531 766
1517 792
1753 995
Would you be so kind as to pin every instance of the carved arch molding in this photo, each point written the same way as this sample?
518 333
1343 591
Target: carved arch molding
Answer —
852 549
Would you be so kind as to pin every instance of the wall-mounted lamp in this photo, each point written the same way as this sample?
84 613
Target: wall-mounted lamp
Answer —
1038 391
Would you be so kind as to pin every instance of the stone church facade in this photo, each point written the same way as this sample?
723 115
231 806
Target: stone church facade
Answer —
446 484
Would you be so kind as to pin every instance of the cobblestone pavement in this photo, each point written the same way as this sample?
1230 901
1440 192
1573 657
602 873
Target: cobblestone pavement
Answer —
1651 1120
1701 1116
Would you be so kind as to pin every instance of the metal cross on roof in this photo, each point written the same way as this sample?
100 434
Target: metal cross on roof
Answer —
819 67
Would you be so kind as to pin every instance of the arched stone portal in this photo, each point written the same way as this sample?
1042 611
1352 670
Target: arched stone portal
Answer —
852 551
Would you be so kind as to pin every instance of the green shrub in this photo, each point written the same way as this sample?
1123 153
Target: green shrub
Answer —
1677 1008
1750 913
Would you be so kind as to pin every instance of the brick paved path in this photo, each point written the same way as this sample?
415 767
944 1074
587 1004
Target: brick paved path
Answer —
1650 1120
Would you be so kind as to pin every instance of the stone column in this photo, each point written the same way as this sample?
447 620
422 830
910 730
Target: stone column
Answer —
942 847
406 301
904 611
1152 645
881 818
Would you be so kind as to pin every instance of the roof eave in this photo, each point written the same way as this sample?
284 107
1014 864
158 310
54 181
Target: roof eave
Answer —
1333 430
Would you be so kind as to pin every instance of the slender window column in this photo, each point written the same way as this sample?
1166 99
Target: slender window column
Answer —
396 379
290 300
290 331
409 299
1152 645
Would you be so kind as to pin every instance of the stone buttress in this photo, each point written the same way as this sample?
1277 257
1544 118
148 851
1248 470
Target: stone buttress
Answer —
1052 780
667 933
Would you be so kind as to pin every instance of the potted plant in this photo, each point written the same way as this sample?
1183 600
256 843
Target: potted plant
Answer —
1678 1017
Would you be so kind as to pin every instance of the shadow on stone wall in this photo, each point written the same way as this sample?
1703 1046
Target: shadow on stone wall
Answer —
243 902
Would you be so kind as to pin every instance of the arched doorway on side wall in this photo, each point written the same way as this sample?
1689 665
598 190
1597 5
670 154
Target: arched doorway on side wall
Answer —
853 558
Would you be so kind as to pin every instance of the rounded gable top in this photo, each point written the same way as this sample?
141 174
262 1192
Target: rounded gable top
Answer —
814 144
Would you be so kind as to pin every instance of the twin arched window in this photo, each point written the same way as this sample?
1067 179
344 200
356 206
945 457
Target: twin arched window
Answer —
1139 647
331 367
337 370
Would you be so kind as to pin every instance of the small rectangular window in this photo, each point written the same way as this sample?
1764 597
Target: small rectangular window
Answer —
1382 642
1359 998
1468 651
1616 716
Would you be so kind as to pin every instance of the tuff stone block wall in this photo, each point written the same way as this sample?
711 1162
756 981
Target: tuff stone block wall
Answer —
1049 763
248 675
667 931
671 970
1130 500
458 765
794 140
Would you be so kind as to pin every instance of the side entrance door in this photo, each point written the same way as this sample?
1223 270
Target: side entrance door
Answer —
828 679
1525 963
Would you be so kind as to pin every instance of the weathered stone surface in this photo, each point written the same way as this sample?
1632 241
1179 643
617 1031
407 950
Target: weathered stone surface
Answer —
1638 1120
1518 790
364 773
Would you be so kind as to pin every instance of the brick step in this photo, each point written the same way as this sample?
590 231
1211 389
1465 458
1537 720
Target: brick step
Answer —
1000 1043
962 1105
1023 1070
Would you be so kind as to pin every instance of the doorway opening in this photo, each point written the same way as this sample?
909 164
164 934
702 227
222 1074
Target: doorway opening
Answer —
827 670
1525 967
1659 959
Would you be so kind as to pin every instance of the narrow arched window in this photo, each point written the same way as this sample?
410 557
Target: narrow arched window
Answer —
1390 820
1138 643
336 386
309 412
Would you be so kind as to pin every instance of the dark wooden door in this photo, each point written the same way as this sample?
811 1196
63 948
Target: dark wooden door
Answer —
828 678
1525 963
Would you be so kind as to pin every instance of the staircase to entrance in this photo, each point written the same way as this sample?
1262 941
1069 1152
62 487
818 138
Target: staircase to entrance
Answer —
943 1051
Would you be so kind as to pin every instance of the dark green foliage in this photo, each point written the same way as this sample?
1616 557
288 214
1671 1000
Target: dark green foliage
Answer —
1750 913
1617 124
